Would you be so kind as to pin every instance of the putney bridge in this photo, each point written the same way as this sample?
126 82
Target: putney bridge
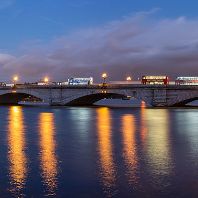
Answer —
152 95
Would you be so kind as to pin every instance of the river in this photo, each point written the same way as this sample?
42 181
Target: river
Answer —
98 152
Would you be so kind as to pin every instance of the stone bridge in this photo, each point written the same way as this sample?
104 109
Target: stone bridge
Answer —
152 95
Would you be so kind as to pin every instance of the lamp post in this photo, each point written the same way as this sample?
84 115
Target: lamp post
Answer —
46 80
15 79
129 78
104 76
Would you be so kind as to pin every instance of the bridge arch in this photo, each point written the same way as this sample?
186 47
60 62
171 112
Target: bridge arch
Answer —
186 101
16 97
92 98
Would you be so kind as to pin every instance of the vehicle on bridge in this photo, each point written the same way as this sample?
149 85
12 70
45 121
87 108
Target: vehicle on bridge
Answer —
155 80
2 84
61 83
80 81
9 84
186 81
42 83
120 82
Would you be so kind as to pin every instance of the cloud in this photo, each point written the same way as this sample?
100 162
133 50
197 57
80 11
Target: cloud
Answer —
137 45
5 58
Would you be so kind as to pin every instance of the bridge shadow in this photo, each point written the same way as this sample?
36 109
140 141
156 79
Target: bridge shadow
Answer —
89 100
15 98
185 102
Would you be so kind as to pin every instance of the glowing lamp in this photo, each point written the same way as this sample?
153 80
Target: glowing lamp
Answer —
46 80
104 75
15 79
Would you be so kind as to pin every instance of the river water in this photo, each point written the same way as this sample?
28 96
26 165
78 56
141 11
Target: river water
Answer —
98 152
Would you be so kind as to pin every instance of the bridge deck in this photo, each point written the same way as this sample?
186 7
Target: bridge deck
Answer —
100 86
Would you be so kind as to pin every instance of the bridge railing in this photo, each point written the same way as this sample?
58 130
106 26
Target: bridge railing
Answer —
100 86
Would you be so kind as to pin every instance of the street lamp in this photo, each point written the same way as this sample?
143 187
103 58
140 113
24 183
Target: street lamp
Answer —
104 76
15 79
46 79
129 78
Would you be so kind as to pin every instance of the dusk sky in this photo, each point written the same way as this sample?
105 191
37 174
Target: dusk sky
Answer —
82 38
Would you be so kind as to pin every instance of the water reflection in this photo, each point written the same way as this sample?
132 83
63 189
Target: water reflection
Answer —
47 153
158 143
16 153
105 147
143 127
130 153
82 116
188 128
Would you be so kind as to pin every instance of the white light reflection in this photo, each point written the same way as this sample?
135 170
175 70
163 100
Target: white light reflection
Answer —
80 119
188 128
158 146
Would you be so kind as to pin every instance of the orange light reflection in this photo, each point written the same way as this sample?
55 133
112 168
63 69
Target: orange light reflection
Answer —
47 153
105 146
143 128
129 150
16 154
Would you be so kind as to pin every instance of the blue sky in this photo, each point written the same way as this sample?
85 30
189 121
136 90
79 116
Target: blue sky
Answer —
23 20
60 38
